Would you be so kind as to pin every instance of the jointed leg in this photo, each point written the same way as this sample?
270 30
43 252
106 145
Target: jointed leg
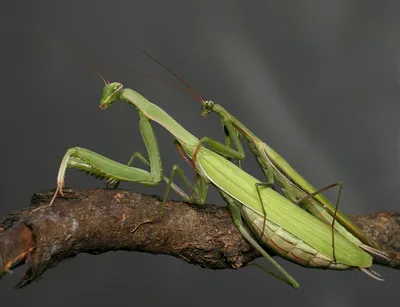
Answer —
312 195
98 165
266 185
235 209
231 134
113 184
198 190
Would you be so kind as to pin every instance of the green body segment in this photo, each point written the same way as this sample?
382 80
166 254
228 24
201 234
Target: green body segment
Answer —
292 221
155 113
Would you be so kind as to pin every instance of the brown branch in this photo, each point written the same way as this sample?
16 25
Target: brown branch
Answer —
97 221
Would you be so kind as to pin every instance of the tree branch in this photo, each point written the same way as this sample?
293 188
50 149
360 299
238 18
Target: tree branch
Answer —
98 221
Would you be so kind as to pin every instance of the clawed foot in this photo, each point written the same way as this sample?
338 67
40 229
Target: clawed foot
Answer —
112 184
58 191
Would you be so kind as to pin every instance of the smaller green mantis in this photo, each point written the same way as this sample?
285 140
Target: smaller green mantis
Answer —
276 168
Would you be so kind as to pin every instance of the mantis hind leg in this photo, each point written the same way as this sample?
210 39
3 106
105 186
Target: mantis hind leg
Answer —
285 277
235 209
267 185
312 195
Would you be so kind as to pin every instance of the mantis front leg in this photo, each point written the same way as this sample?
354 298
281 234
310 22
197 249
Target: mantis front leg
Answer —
98 165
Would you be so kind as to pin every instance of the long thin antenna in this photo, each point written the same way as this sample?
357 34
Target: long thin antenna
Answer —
173 85
174 74
93 69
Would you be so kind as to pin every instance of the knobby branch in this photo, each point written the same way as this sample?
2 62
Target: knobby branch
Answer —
102 220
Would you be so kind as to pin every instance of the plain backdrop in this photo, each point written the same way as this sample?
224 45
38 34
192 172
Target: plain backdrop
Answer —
317 80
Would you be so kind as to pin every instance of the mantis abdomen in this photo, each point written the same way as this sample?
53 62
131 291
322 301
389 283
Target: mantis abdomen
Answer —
288 245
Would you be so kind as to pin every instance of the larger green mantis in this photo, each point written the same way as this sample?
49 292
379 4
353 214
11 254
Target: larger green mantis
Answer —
290 231
277 169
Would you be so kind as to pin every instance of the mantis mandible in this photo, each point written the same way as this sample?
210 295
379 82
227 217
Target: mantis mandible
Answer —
277 169
292 232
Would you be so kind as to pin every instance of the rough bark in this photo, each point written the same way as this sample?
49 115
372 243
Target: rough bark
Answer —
98 221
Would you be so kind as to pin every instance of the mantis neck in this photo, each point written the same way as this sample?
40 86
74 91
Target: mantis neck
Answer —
156 114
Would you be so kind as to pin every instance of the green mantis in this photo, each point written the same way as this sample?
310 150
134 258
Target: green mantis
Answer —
276 169
278 223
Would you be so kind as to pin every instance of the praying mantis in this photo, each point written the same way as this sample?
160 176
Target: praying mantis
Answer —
278 223
277 169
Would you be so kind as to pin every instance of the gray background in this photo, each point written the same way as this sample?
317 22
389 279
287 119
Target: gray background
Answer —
317 80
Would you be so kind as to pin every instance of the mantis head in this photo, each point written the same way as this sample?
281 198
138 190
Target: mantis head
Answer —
207 107
111 92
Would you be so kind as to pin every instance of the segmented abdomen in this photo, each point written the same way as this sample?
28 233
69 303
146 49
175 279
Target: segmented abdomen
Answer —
286 244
